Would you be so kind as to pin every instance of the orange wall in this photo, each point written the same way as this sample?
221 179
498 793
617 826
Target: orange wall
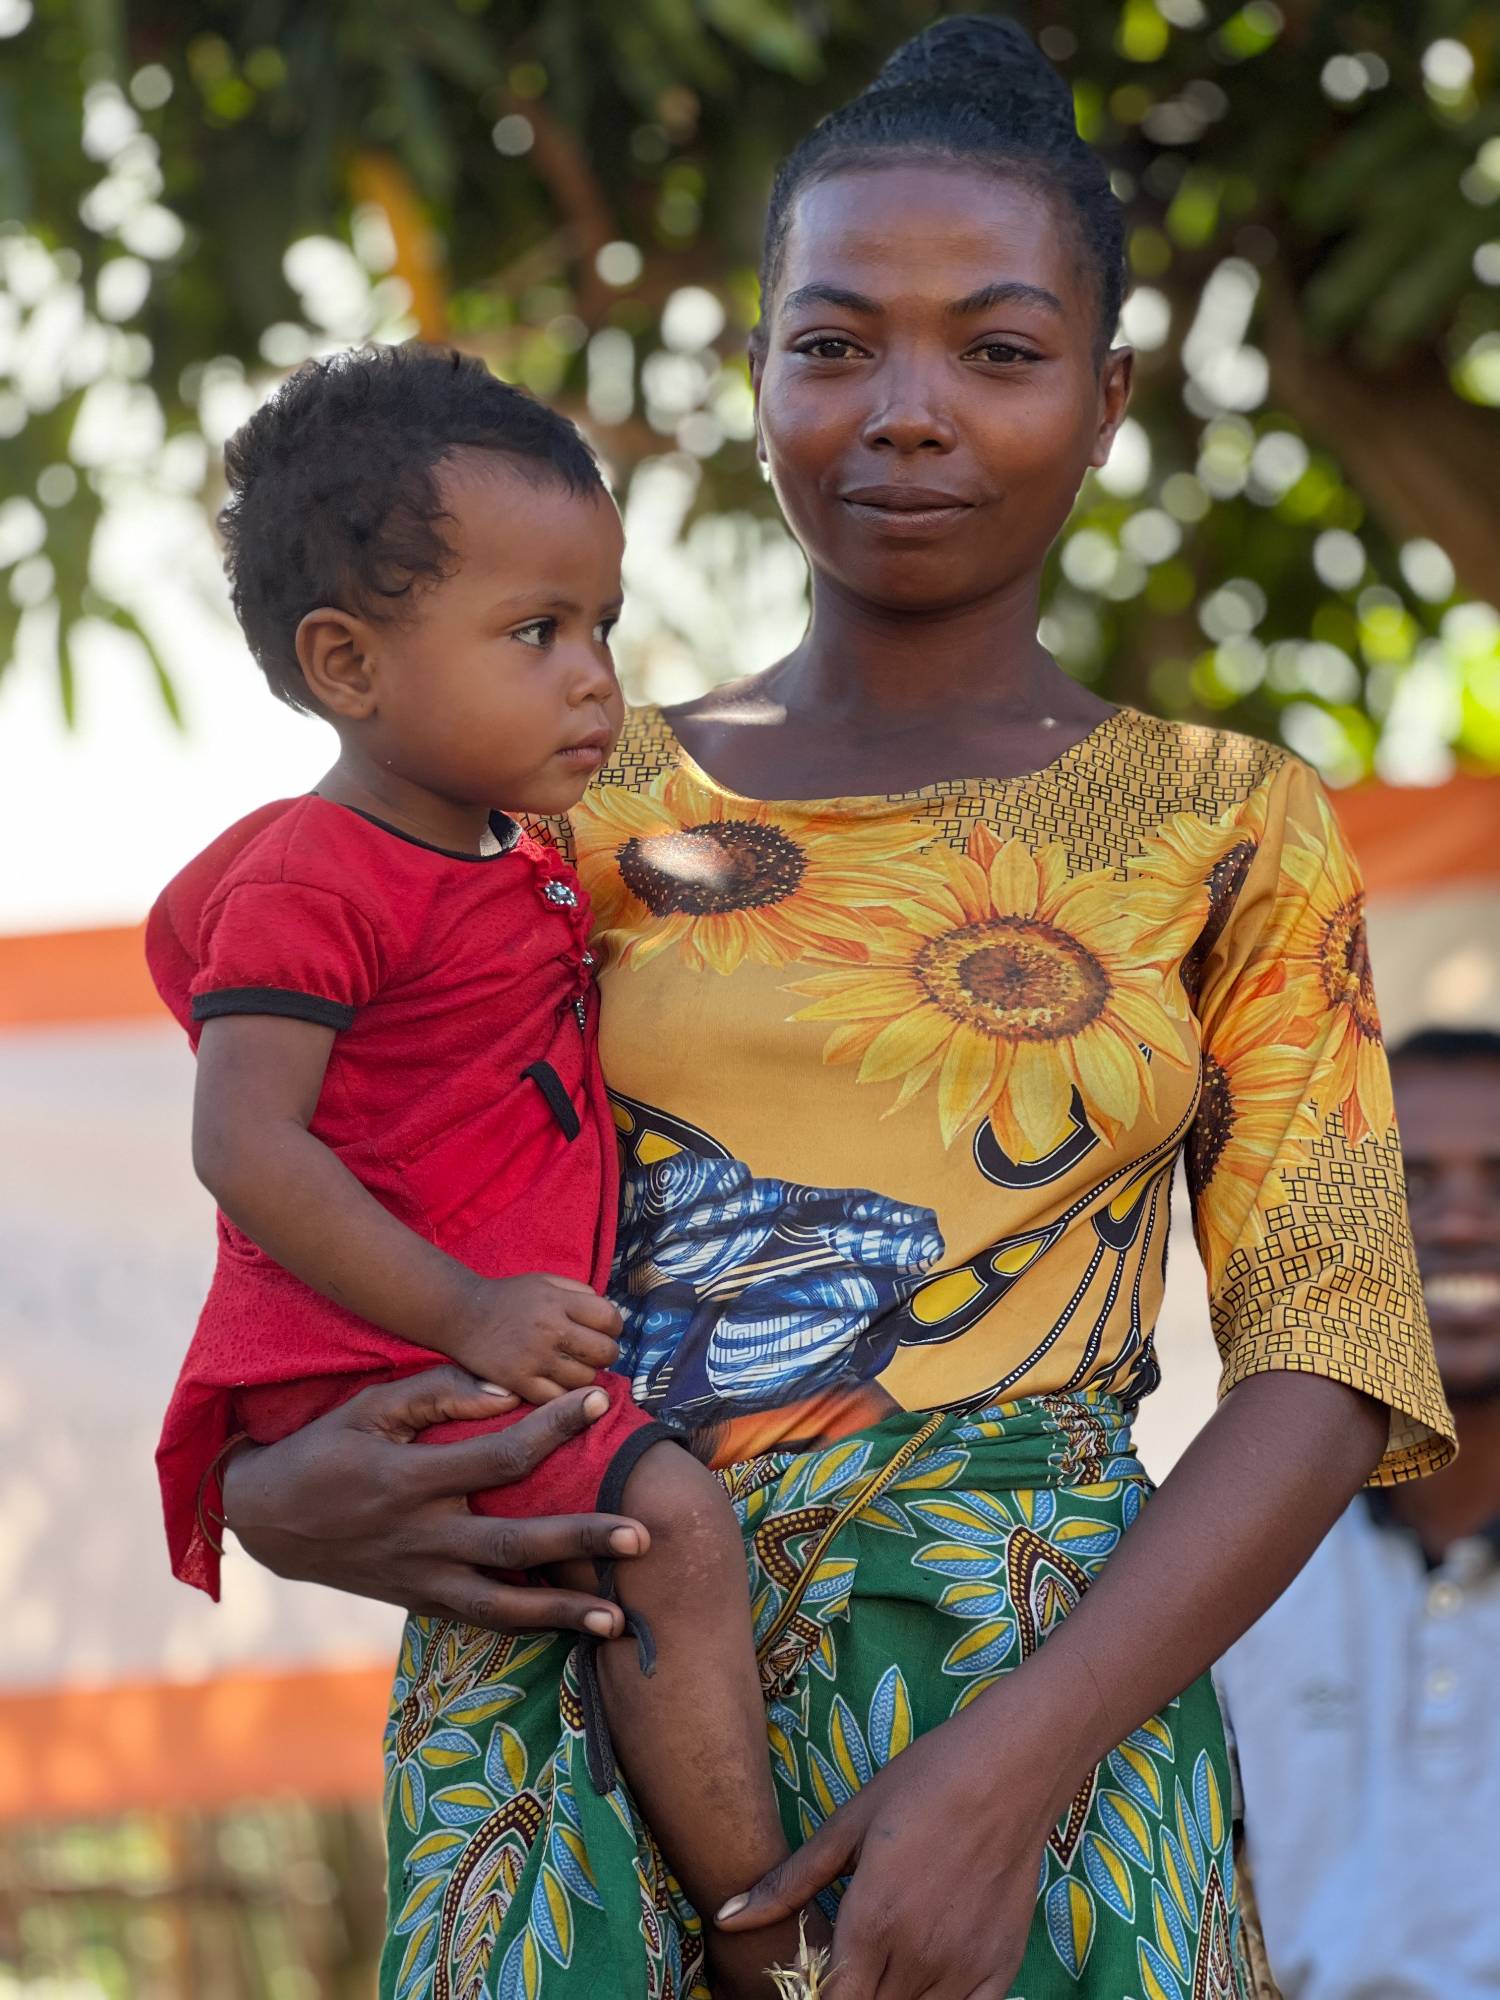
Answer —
1413 837
1406 838
73 1753
76 976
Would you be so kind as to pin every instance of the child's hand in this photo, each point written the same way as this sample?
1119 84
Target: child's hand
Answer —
537 1336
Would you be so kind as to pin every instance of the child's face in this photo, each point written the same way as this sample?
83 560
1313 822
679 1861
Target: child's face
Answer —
497 688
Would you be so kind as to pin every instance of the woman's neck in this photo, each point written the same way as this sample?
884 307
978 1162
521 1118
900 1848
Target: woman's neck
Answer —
861 662
876 701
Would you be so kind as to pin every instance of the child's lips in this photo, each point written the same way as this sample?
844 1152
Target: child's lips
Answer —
589 752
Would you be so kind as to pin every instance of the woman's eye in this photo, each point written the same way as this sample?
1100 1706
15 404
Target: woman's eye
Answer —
1002 353
828 347
540 632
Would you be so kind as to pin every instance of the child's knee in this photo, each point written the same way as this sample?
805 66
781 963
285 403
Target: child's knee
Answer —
683 1508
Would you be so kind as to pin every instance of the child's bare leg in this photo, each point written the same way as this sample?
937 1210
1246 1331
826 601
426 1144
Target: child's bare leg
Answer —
691 1738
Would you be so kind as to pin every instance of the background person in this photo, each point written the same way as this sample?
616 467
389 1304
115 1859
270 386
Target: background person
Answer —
1363 1702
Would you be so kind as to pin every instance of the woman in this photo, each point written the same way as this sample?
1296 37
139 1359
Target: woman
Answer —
922 965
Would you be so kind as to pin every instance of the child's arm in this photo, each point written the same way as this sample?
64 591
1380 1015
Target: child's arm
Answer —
259 1076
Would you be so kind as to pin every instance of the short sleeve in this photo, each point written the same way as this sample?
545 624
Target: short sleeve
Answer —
1294 1168
285 948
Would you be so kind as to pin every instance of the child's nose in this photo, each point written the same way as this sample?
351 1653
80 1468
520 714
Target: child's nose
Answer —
594 679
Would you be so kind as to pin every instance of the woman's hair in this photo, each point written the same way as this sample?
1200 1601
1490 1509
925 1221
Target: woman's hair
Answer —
334 494
976 91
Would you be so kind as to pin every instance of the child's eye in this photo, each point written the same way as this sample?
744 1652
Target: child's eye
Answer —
603 630
539 632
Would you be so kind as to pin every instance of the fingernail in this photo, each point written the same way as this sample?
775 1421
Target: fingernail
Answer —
600 1622
625 1542
732 1908
595 1403
493 1389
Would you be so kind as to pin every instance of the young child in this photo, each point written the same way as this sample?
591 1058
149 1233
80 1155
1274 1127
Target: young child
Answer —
387 982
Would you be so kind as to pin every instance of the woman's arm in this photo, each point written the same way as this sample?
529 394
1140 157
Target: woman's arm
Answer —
945 1844
351 1502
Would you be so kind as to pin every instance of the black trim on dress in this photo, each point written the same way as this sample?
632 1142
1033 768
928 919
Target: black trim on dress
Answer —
550 1084
279 1000
506 830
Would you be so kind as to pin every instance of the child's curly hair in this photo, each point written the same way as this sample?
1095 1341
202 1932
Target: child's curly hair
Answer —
333 487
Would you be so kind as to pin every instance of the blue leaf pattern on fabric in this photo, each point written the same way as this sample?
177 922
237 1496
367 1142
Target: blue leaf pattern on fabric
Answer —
740 1293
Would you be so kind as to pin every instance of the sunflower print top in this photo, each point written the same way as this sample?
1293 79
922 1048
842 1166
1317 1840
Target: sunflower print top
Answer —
901 1083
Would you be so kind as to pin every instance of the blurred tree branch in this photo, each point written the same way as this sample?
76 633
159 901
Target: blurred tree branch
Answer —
1427 463
1314 195
379 178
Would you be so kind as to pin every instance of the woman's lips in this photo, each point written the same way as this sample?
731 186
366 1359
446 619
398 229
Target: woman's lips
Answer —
906 510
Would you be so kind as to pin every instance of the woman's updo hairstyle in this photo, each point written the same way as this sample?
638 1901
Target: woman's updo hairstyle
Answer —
972 90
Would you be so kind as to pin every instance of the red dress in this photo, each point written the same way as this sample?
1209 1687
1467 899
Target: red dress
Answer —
463 1090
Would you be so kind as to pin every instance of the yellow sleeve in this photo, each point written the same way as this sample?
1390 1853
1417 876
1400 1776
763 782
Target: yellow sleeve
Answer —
1299 1202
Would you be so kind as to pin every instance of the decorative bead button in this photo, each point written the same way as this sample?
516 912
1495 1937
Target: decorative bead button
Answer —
561 895
580 1009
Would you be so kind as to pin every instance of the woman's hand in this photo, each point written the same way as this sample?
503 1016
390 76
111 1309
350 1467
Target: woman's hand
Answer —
945 1845
944 1848
348 1503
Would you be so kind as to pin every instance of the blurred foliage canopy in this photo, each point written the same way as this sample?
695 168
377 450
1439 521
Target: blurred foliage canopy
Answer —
1298 533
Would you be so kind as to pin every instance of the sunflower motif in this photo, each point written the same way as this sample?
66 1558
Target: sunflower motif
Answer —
1322 967
1192 863
1252 1107
1012 986
731 879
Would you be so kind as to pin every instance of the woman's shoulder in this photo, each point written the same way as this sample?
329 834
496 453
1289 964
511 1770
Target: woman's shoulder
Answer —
1211 770
645 749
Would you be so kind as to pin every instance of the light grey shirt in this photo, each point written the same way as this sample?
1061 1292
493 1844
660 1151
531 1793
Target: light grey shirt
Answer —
1365 1706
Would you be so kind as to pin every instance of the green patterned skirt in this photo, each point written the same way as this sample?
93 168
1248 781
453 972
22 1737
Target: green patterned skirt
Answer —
894 1577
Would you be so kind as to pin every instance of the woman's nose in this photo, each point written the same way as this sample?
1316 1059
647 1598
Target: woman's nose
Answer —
910 417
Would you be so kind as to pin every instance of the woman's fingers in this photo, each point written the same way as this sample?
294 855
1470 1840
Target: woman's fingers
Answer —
500 1458
501 1607
399 1410
861 1963
791 1885
490 1542
993 1988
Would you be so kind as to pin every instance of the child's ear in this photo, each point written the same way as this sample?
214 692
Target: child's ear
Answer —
334 653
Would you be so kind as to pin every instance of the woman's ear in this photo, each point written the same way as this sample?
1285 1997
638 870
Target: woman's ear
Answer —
334 653
1115 379
757 354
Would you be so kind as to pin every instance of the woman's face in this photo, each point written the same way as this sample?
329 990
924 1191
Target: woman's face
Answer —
927 393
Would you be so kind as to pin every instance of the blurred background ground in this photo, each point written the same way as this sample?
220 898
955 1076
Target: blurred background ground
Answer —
1295 535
